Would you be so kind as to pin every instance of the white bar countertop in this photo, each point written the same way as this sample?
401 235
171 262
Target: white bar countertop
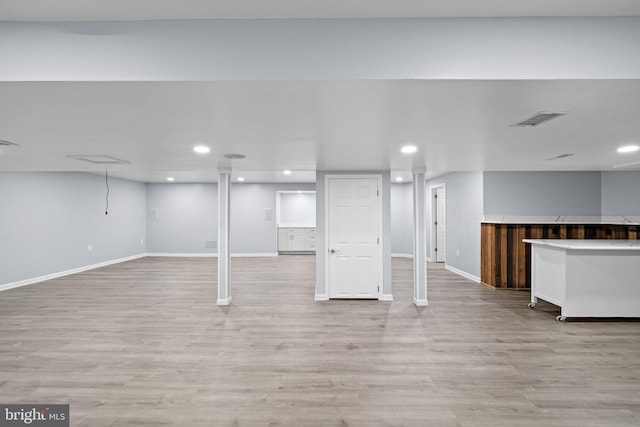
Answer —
562 219
588 244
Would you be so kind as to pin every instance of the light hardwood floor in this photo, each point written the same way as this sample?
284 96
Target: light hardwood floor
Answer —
143 344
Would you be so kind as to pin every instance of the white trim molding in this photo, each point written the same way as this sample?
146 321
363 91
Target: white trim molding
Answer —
256 255
184 255
225 301
321 297
410 256
212 255
462 273
386 297
420 302
67 272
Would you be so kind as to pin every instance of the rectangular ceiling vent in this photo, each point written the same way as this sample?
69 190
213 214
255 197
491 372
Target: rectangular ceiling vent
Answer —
628 165
100 159
4 143
537 119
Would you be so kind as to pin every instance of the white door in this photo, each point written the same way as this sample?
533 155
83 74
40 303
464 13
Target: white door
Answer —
441 225
353 237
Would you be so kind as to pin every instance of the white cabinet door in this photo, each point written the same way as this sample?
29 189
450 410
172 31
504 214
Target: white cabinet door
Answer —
298 239
284 241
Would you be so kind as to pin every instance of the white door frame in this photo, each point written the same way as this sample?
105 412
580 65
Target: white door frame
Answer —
433 230
327 258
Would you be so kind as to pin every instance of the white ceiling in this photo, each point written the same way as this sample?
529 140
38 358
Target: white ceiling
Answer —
314 125
116 10
324 125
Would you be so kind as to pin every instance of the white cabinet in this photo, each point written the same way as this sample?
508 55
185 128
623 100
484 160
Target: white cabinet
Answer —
296 239
586 278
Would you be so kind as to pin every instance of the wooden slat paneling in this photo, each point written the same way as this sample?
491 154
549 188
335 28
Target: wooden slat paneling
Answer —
506 261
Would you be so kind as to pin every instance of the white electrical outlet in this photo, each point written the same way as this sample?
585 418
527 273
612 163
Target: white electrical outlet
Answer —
89 247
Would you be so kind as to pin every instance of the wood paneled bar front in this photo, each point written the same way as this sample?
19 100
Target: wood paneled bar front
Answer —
506 260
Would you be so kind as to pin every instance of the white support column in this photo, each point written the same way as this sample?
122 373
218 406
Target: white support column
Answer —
224 256
419 239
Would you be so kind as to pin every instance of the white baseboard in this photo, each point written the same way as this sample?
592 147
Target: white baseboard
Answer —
321 297
182 255
402 256
258 255
386 297
420 302
67 272
211 255
429 259
462 273
225 301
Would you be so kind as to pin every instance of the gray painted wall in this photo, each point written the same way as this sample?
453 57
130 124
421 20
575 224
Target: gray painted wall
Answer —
188 217
542 193
321 248
464 212
48 219
251 232
621 193
402 219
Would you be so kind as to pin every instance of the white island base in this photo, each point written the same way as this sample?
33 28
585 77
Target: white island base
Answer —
587 278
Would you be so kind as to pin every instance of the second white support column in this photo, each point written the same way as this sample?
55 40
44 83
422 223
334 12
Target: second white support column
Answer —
224 256
419 239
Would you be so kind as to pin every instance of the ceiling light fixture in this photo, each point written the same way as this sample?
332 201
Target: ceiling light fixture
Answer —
201 149
409 149
628 149
538 119
171 179
286 172
399 179
241 179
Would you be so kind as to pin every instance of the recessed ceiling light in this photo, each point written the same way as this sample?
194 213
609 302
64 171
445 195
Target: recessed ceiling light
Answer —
628 149
171 179
286 172
409 149
399 179
201 149
240 178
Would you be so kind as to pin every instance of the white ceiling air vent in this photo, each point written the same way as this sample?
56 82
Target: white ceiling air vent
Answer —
100 159
561 156
627 165
538 118
4 143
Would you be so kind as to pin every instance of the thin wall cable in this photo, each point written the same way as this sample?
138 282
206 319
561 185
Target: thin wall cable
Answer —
106 181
